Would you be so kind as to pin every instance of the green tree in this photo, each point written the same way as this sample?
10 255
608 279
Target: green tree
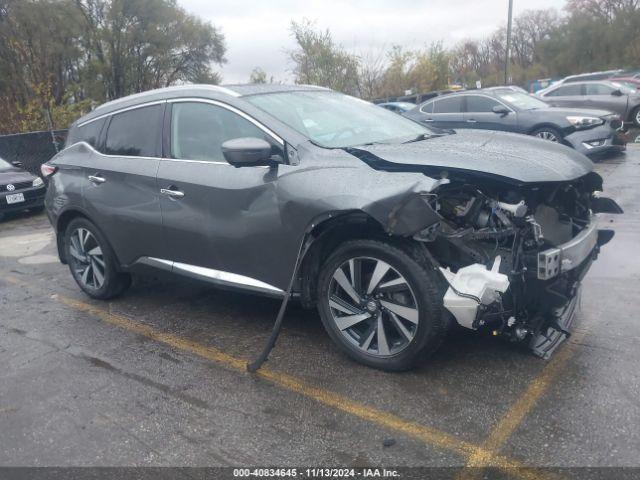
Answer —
318 60
258 75
59 56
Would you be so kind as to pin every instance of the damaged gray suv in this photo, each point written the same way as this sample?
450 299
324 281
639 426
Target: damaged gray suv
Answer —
393 231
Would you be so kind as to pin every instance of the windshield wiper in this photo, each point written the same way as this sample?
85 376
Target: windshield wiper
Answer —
423 136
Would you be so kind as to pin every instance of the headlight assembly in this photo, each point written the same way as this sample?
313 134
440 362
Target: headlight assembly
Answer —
584 122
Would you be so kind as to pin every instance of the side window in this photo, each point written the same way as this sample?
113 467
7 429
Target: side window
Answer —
427 108
89 133
448 105
199 129
479 104
598 89
566 91
135 132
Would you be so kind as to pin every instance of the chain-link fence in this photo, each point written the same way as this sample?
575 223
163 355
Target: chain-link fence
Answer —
31 149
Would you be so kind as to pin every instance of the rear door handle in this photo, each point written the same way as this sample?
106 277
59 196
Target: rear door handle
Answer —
471 120
426 120
172 193
96 179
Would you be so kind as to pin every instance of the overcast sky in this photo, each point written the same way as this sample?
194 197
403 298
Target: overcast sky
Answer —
257 32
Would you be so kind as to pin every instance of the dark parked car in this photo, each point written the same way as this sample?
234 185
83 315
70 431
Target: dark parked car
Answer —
391 231
588 131
398 107
605 95
19 190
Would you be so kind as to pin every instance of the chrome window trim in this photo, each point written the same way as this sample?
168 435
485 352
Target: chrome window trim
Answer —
212 275
122 110
235 110
90 147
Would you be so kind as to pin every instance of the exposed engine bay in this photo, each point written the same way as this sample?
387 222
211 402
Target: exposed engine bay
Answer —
514 256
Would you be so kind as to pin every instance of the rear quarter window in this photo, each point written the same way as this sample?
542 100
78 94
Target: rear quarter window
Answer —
427 108
89 133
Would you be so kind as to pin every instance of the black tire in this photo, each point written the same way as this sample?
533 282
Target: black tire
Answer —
635 117
544 132
427 334
114 282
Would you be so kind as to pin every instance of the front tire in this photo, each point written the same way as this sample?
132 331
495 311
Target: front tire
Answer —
379 305
635 117
91 261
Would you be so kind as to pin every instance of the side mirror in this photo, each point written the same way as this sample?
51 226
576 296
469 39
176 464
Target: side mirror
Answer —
247 152
616 93
501 110
17 163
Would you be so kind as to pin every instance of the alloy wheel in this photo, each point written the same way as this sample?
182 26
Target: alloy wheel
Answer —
638 117
546 135
87 259
373 306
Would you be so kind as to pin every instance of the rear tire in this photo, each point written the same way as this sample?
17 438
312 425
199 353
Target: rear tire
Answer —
92 262
393 292
548 133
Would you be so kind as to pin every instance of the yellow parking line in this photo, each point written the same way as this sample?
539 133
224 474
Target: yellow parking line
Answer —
287 381
331 399
512 419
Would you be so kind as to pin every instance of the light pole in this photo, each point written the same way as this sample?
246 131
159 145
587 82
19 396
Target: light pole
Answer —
507 59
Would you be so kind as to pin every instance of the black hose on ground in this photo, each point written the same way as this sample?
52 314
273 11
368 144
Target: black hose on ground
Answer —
277 326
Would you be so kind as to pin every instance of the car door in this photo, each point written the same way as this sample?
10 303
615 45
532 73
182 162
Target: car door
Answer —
603 97
447 112
219 220
569 95
479 114
119 190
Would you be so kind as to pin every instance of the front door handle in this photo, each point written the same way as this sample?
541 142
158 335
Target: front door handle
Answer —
426 120
172 193
96 179
471 120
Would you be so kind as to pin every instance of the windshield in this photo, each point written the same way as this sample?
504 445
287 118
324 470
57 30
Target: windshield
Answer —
630 86
623 88
334 120
4 165
523 101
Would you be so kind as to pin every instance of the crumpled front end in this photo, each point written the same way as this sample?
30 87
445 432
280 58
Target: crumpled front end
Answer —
513 257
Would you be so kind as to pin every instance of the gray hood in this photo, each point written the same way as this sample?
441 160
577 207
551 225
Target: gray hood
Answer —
511 156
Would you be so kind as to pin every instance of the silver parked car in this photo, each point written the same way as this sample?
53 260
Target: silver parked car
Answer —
603 95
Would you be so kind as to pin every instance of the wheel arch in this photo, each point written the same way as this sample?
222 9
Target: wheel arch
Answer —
539 126
63 221
334 231
328 234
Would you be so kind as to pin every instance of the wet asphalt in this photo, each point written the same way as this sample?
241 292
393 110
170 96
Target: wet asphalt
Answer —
154 378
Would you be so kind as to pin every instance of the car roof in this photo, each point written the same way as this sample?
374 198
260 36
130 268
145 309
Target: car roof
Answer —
218 92
604 73
246 89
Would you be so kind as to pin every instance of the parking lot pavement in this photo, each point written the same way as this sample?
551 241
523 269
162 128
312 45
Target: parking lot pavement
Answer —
157 377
